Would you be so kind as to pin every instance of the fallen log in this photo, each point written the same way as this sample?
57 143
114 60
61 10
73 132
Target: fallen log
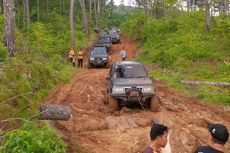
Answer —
195 83
54 112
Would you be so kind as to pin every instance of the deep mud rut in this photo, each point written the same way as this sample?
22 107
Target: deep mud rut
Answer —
95 128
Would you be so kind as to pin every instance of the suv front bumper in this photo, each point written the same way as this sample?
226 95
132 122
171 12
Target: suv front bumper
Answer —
98 62
126 98
115 40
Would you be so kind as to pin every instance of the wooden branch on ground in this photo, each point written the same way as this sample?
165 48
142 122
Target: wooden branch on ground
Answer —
195 83
54 112
29 93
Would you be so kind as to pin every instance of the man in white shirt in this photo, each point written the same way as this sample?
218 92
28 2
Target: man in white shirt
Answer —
123 54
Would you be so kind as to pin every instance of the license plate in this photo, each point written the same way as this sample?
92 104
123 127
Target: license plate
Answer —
134 94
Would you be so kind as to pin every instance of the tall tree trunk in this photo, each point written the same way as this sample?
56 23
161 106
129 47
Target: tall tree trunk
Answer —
9 13
1 5
38 10
27 12
60 5
17 17
225 7
72 24
98 12
188 5
47 7
84 17
95 13
90 16
151 8
207 9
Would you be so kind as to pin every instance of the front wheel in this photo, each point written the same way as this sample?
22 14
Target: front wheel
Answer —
89 66
113 103
154 103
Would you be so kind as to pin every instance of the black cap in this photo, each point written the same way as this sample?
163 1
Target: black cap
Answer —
219 132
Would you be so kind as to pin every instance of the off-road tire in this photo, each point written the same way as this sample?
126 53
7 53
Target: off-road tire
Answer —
154 103
108 65
89 66
113 103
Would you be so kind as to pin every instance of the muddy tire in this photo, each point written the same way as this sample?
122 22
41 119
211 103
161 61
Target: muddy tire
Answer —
107 65
89 66
154 103
113 103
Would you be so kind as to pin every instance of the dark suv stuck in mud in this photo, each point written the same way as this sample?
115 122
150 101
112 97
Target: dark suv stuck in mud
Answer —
128 83
114 36
98 56
106 42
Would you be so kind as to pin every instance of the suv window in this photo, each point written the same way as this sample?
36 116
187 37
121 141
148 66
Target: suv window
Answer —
112 32
131 71
99 50
104 40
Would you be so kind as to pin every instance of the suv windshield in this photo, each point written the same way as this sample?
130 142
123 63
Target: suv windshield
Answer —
99 50
113 33
132 71
104 40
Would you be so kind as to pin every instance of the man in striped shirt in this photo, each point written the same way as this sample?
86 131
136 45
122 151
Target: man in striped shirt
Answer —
158 135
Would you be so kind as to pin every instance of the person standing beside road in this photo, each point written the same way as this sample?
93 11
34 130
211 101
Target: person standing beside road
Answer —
71 54
123 53
218 137
74 61
158 135
80 58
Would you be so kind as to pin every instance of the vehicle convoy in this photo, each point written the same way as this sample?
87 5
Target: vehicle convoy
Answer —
114 36
105 41
128 83
98 56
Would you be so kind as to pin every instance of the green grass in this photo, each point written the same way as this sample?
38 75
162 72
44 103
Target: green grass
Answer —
33 138
181 45
36 69
219 95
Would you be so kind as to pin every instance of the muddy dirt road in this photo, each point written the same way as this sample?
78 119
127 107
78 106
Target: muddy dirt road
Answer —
94 128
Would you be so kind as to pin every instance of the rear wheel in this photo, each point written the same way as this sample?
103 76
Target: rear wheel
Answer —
113 103
154 103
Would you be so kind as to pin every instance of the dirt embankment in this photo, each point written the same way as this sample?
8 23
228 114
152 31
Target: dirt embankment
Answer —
94 128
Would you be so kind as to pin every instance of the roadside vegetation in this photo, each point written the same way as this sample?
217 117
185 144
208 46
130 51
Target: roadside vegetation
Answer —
180 49
38 66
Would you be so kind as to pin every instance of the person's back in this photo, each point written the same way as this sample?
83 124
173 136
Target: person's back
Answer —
123 54
207 149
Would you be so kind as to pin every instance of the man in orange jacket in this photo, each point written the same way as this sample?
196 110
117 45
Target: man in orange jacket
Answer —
80 58
71 54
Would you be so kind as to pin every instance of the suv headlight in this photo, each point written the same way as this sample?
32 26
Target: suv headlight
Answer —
118 90
105 58
148 89
91 58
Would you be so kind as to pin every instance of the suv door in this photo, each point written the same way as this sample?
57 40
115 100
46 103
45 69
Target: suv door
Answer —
109 81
